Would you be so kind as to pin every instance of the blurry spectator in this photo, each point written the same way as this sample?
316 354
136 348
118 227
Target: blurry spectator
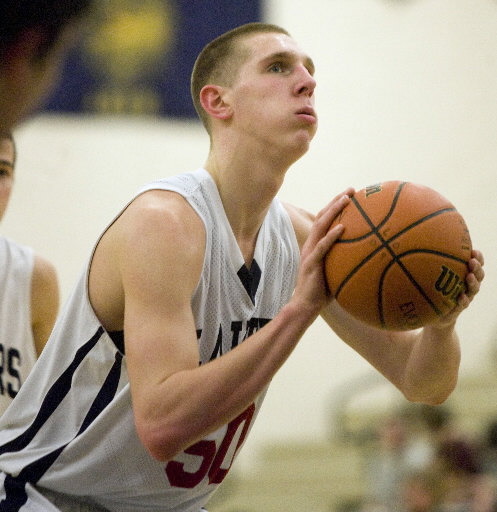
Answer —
431 426
388 464
422 462
489 449
421 492
465 486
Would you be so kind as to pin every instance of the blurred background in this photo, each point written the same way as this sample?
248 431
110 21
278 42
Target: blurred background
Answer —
407 90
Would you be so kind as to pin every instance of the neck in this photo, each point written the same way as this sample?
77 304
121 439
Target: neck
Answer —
246 183
248 171
246 188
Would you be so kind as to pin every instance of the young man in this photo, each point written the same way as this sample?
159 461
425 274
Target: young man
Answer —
194 297
29 296
34 36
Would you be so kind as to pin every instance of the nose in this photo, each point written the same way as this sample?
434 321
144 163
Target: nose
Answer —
306 83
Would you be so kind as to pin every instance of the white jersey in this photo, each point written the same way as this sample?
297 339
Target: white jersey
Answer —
17 348
71 427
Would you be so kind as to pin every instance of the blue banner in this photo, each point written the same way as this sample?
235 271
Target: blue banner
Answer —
137 55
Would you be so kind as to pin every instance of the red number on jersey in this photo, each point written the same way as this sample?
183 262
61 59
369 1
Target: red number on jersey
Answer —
212 461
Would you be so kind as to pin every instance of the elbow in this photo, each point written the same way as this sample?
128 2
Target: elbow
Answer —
163 443
431 395
440 397
432 400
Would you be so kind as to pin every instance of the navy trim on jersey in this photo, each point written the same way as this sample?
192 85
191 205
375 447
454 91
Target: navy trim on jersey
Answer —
118 338
15 487
54 397
250 278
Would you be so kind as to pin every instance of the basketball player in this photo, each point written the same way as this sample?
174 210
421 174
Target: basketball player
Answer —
29 296
194 297
34 36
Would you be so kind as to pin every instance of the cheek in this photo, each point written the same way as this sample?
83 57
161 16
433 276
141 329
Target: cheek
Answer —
4 197
252 97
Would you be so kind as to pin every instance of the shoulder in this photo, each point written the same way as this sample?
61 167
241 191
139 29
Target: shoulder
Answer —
161 212
153 250
44 286
161 228
44 273
301 220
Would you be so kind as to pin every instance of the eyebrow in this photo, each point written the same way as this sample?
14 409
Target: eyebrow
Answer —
309 63
7 163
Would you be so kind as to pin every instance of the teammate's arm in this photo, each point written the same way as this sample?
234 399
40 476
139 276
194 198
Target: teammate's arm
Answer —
44 301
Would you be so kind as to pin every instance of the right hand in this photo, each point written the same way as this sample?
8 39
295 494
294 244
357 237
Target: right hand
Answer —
312 289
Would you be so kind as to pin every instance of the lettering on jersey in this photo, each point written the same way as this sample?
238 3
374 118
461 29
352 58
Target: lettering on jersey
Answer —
218 349
10 378
236 329
239 333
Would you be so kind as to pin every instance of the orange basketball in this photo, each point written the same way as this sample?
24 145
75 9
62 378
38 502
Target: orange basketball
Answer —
402 259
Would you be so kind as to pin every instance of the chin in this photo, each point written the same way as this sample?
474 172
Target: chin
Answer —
297 152
304 143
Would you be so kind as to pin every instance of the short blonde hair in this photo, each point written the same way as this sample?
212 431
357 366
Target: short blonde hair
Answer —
220 60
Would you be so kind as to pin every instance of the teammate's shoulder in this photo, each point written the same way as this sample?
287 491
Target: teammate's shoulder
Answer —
43 268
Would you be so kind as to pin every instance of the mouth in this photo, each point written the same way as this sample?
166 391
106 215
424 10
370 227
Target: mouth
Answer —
308 114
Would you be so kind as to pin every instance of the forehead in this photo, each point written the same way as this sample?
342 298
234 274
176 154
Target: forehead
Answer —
266 45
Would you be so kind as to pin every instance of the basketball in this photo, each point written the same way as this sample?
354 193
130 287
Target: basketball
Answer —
402 259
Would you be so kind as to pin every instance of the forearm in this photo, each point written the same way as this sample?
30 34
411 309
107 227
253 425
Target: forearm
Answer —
433 365
191 404
423 364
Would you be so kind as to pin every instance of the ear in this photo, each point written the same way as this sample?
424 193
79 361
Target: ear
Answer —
214 100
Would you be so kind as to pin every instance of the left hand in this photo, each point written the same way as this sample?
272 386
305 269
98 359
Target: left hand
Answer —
473 282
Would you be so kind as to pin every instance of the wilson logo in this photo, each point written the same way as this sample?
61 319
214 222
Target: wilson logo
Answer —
449 284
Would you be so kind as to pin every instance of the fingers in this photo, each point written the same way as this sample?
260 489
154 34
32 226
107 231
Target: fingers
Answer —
476 274
319 241
326 216
335 202
473 282
321 236
475 253
476 263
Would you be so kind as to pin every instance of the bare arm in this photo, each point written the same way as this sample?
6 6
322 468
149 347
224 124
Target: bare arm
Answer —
159 247
422 364
44 301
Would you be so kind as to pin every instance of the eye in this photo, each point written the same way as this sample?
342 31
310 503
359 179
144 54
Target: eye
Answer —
277 67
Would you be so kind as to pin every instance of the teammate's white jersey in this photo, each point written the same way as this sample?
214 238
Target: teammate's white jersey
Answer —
17 348
71 427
